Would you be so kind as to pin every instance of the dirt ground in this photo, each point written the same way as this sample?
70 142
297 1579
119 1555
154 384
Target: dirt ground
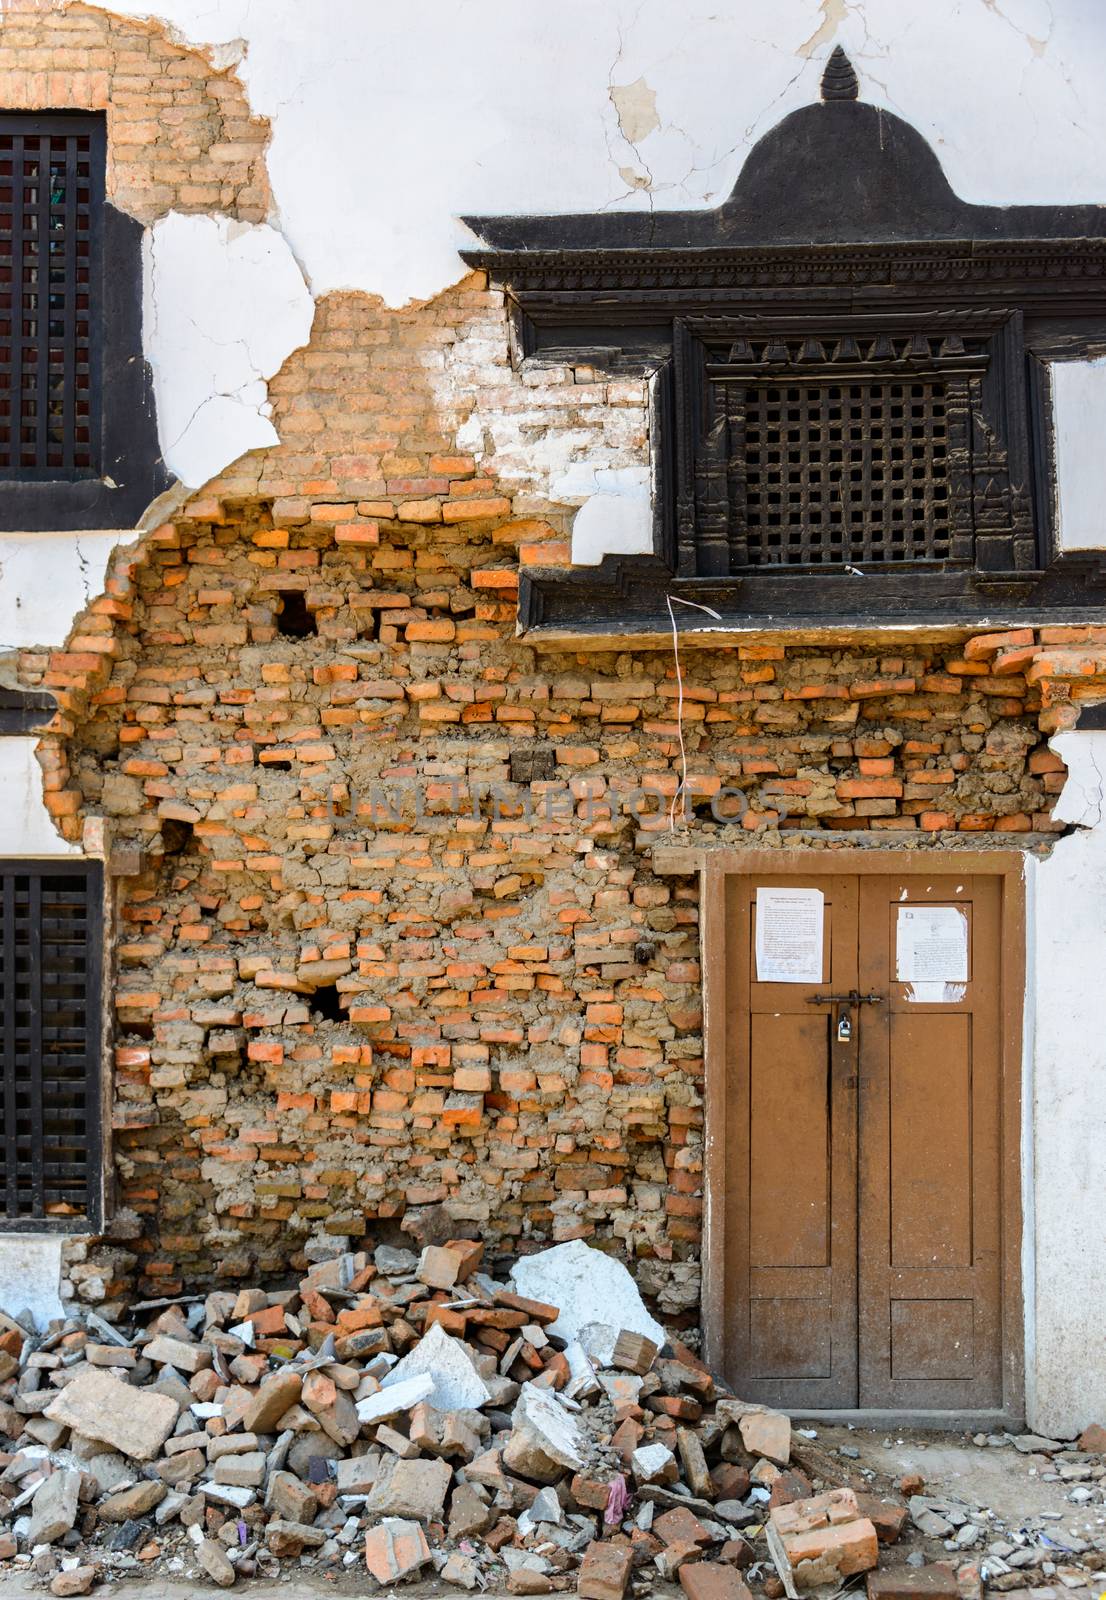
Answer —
1015 1499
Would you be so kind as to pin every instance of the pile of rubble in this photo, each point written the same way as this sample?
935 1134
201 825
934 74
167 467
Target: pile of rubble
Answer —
410 1413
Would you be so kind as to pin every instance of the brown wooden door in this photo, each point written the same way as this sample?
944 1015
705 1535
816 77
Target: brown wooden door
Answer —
862 1206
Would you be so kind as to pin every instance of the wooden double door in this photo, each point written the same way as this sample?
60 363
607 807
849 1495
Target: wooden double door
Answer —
864 1150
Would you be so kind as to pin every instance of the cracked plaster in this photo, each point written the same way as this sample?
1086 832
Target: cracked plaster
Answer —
635 106
224 305
46 579
1006 90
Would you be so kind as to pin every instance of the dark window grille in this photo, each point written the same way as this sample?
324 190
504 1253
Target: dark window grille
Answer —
51 217
846 473
50 965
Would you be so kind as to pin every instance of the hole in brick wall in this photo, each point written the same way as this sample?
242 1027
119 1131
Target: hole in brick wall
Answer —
293 619
326 1005
176 836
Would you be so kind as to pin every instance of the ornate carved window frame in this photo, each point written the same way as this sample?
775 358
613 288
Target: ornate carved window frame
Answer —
843 246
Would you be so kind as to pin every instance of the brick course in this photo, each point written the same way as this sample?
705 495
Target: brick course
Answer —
181 136
335 1007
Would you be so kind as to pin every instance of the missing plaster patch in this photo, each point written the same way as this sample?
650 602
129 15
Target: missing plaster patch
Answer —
635 106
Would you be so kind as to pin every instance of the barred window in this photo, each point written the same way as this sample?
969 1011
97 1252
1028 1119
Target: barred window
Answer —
51 226
846 472
50 967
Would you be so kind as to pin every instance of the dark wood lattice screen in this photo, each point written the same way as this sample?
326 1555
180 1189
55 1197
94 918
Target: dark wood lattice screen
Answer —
846 472
51 203
50 964
878 447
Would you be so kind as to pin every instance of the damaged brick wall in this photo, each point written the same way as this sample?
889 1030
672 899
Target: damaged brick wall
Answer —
181 136
329 1016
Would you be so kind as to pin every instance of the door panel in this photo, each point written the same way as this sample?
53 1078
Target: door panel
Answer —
930 1125
862 1206
791 1166
930 1158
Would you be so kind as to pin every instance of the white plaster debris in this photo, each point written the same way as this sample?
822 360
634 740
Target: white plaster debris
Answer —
395 1398
225 304
583 1283
544 1440
30 1264
650 1462
1079 412
457 1384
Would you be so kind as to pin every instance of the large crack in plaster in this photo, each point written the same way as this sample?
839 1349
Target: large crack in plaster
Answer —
225 306
553 136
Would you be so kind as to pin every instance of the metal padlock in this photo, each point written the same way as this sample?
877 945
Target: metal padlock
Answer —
844 1026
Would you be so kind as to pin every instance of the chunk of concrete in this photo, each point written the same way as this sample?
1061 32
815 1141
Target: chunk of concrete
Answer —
136 1501
545 1441
288 1498
77 1580
767 1434
410 1489
179 1353
396 1397
54 1508
271 1401
357 1474
285 1538
135 1422
588 1287
461 1571
213 1559
457 1384
654 1463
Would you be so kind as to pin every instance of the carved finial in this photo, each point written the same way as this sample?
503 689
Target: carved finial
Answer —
839 79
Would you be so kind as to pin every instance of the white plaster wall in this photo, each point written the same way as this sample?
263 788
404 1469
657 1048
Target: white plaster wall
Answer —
615 515
384 135
25 825
224 305
46 578
1066 1344
1079 415
389 122
30 1277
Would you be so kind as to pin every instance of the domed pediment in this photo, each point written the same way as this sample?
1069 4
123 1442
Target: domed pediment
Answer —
836 172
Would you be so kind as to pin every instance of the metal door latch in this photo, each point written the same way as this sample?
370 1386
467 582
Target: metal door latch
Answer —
853 998
844 1003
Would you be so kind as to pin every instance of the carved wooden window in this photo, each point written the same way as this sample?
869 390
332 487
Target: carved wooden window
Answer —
839 472
866 445
51 203
50 964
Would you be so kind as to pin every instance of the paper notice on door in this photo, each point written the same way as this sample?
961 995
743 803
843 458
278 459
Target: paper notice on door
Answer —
931 946
789 935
